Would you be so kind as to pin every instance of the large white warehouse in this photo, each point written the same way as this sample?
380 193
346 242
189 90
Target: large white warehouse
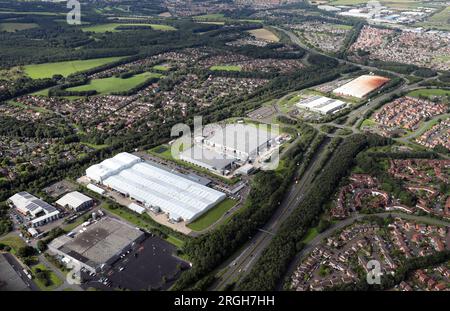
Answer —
321 104
153 186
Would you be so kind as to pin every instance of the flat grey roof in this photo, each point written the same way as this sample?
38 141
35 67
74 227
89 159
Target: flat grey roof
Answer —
100 242
211 158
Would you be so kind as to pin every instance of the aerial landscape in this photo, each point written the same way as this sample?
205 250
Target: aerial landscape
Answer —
224 146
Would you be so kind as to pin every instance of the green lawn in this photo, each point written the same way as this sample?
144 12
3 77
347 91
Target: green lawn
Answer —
161 68
12 27
226 68
212 215
175 241
209 16
429 92
47 70
368 123
311 234
112 27
55 280
113 84
13 241
96 147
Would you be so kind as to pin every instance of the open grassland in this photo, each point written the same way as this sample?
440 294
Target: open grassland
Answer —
209 17
48 70
440 20
264 34
12 27
55 281
226 68
13 241
429 92
113 84
211 216
112 27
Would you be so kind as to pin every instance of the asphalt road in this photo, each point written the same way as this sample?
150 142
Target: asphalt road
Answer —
243 261
19 269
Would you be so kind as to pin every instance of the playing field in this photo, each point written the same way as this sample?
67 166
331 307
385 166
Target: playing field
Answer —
112 27
226 68
264 34
429 93
212 215
113 84
11 27
47 70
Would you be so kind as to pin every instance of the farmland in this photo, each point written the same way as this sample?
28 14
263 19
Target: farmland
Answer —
112 27
11 27
114 84
226 68
264 34
47 70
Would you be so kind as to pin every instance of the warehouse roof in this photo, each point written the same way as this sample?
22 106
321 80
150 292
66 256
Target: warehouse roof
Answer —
100 242
154 186
28 202
73 199
241 137
361 86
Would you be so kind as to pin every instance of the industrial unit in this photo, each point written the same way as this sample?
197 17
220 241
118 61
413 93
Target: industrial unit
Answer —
154 187
224 148
76 201
361 86
38 211
98 245
321 104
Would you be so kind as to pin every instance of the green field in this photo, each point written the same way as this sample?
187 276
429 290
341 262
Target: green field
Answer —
175 241
161 68
212 215
112 27
47 70
209 16
226 68
11 27
55 280
13 241
310 235
113 84
429 92
440 20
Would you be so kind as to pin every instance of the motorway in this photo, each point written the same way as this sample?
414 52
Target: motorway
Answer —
242 262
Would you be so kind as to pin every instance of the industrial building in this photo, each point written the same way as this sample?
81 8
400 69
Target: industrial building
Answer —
361 86
208 159
240 141
76 201
38 212
98 245
221 149
321 104
154 187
